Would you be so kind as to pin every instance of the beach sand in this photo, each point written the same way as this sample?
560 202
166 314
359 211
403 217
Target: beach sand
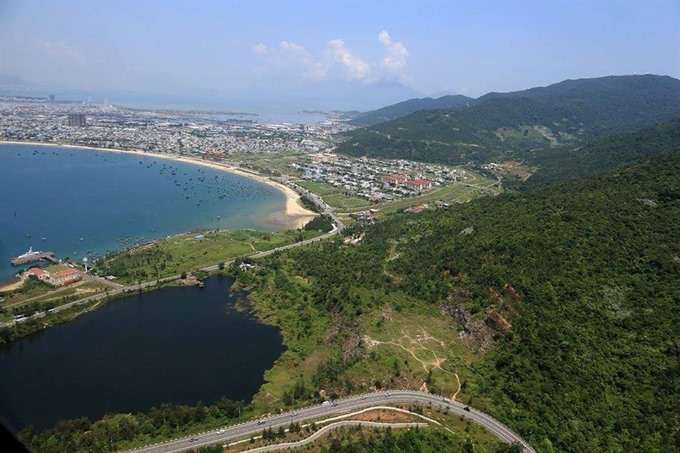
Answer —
292 216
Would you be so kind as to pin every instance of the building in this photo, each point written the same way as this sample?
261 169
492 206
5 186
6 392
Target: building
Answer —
419 184
319 158
395 180
38 273
64 277
77 120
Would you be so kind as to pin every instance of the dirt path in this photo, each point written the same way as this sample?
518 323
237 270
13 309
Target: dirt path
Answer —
453 398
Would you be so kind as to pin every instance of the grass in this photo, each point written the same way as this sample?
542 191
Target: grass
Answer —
186 252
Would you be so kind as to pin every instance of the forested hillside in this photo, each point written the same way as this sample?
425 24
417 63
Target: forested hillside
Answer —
507 126
577 280
400 109
565 163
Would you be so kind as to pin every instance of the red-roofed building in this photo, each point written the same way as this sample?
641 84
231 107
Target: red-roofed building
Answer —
38 273
419 184
65 277
396 180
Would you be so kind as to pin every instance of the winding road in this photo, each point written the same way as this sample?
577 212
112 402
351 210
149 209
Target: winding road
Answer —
255 427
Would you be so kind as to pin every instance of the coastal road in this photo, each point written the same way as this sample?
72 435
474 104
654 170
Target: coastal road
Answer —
255 427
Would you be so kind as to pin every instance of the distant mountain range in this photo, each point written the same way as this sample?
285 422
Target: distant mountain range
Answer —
395 111
321 95
509 125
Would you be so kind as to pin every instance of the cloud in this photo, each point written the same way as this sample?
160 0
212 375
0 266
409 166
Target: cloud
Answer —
288 56
397 53
291 59
356 68
261 49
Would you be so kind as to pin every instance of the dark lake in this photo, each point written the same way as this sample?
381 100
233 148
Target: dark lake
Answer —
177 345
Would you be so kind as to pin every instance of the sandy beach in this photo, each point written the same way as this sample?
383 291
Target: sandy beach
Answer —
293 215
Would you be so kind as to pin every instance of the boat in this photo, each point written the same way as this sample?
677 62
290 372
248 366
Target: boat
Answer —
29 254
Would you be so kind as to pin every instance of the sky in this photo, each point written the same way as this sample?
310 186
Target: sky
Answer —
315 47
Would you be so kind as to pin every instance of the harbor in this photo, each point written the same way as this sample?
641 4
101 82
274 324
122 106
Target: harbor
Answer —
31 257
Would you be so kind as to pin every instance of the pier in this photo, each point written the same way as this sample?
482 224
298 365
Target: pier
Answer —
30 258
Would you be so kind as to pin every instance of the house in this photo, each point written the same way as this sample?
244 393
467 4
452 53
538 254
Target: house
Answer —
394 180
64 277
419 184
324 158
38 273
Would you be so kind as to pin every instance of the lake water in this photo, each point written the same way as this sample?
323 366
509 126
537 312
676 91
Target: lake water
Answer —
177 345
79 202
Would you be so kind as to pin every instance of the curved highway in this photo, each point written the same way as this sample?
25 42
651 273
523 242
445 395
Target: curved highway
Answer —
255 427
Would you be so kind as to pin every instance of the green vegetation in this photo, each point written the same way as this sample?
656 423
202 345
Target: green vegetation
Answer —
350 440
35 296
508 126
118 432
400 109
187 252
19 330
320 223
561 302
561 164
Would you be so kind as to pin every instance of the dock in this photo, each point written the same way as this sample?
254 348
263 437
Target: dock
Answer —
47 256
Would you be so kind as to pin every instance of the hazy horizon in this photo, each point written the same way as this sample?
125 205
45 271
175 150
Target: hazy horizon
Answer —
325 55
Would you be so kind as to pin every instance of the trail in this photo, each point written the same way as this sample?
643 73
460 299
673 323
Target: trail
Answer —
453 398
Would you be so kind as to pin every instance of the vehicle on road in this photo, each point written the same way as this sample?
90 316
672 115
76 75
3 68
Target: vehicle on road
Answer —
466 408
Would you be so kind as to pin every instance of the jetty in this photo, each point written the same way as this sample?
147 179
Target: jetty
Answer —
31 256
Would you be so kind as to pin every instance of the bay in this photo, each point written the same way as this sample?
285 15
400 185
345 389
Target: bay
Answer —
79 203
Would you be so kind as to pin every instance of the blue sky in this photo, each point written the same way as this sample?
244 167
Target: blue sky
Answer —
222 47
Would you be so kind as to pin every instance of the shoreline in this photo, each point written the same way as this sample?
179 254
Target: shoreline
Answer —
293 215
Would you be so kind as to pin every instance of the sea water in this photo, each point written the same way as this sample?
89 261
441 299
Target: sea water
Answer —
84 203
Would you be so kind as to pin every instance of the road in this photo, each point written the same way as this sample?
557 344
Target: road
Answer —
338 226
326 429
255 427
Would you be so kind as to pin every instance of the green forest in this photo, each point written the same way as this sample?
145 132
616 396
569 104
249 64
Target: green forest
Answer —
509 125
585 273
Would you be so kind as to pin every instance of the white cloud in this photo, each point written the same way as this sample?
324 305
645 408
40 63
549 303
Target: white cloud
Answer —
356 68
261 49
397 53
288 58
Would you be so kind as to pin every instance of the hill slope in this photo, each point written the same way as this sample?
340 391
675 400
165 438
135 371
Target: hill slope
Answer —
502 126
585 274
400 109
568 162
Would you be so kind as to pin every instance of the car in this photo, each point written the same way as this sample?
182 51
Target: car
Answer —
260 422
363 397
335 403
221 431
446 400
193 439
466 408
388 394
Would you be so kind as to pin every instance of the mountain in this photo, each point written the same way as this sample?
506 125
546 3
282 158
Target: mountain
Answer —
400 109
9 81
565 163
577 283
507 126
326 95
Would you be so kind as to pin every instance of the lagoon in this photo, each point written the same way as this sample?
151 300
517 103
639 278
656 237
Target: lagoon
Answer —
178 345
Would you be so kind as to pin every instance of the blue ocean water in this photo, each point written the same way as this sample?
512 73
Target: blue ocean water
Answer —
79 203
